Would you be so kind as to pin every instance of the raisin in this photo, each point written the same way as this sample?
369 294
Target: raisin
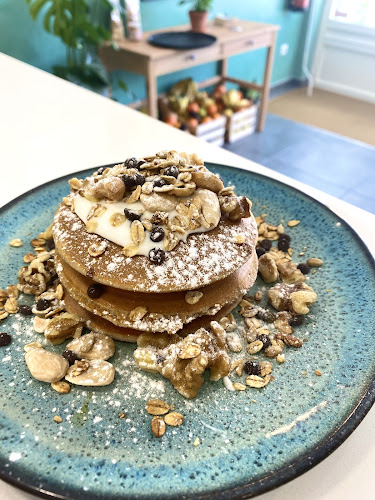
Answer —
95 290
159 183
297 320
132 215
266 315
131 162
260 251
128 180
171 171
5 339
283 245
266 244
265 339
251 367
43 304
25 310
284 236
50 244
139 179
304 268
70 356
156 256
157 234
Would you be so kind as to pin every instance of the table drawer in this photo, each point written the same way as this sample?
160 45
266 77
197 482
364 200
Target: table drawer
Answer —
246 44
187 59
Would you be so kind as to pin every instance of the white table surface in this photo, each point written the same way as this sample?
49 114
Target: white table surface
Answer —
49 128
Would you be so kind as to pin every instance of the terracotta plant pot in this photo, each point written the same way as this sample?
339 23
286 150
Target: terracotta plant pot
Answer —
198 21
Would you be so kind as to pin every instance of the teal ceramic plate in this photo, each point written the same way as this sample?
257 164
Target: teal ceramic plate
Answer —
250 441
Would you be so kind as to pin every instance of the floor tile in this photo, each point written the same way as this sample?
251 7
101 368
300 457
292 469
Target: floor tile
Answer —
327 161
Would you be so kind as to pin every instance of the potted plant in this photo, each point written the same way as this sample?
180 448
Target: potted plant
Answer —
75 24
198 14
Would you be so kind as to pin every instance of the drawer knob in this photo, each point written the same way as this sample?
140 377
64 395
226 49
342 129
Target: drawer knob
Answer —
190 57
250 43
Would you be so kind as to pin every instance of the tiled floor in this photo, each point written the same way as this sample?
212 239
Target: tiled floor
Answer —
329 162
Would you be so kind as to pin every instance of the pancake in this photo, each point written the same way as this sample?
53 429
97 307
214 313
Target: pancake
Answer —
99 324
204 258
165 312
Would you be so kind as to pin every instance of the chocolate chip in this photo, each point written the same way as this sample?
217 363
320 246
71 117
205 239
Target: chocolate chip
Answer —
5 339
95 290
70 356
140 163
304 268
25 310
171 171
260 251
159 183
156 256
157 234
128 180
284 236
132 215
266 244
43 304
297 320
252 367
131 162
283 245
265 339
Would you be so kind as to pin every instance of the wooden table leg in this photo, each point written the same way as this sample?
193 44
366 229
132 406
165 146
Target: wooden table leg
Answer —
266 86
152 92
224 67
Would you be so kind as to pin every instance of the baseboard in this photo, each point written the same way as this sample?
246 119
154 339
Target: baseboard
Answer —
338 88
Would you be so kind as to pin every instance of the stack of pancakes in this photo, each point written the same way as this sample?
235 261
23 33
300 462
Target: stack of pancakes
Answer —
138 296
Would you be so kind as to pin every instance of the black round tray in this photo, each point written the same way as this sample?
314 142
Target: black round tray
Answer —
181 40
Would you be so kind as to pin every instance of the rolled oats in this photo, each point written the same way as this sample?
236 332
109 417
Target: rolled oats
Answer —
12 291
290 340
193 297
3 315
293 223
257 382
313 262
29 257
254 347
11 305
61 387
239 387
117 219
280 358
265 368
16 243
57 419
233 342
75 183
40 324
137 232
157 407
91 226
130 250
189 350
138 313
174 419
32 345
96 249
158 426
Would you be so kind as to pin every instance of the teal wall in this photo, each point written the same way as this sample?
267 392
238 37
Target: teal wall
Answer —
25 39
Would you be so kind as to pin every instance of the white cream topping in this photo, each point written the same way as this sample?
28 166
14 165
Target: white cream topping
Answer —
121 234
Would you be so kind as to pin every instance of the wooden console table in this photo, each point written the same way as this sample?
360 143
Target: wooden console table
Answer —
151 62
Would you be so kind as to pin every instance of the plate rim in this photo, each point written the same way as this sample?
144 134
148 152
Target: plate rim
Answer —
301 465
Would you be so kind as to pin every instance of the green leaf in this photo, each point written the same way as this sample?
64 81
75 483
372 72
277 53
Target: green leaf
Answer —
36 6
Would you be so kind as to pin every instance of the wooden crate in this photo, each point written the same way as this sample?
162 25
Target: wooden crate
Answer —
213 131
241 123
